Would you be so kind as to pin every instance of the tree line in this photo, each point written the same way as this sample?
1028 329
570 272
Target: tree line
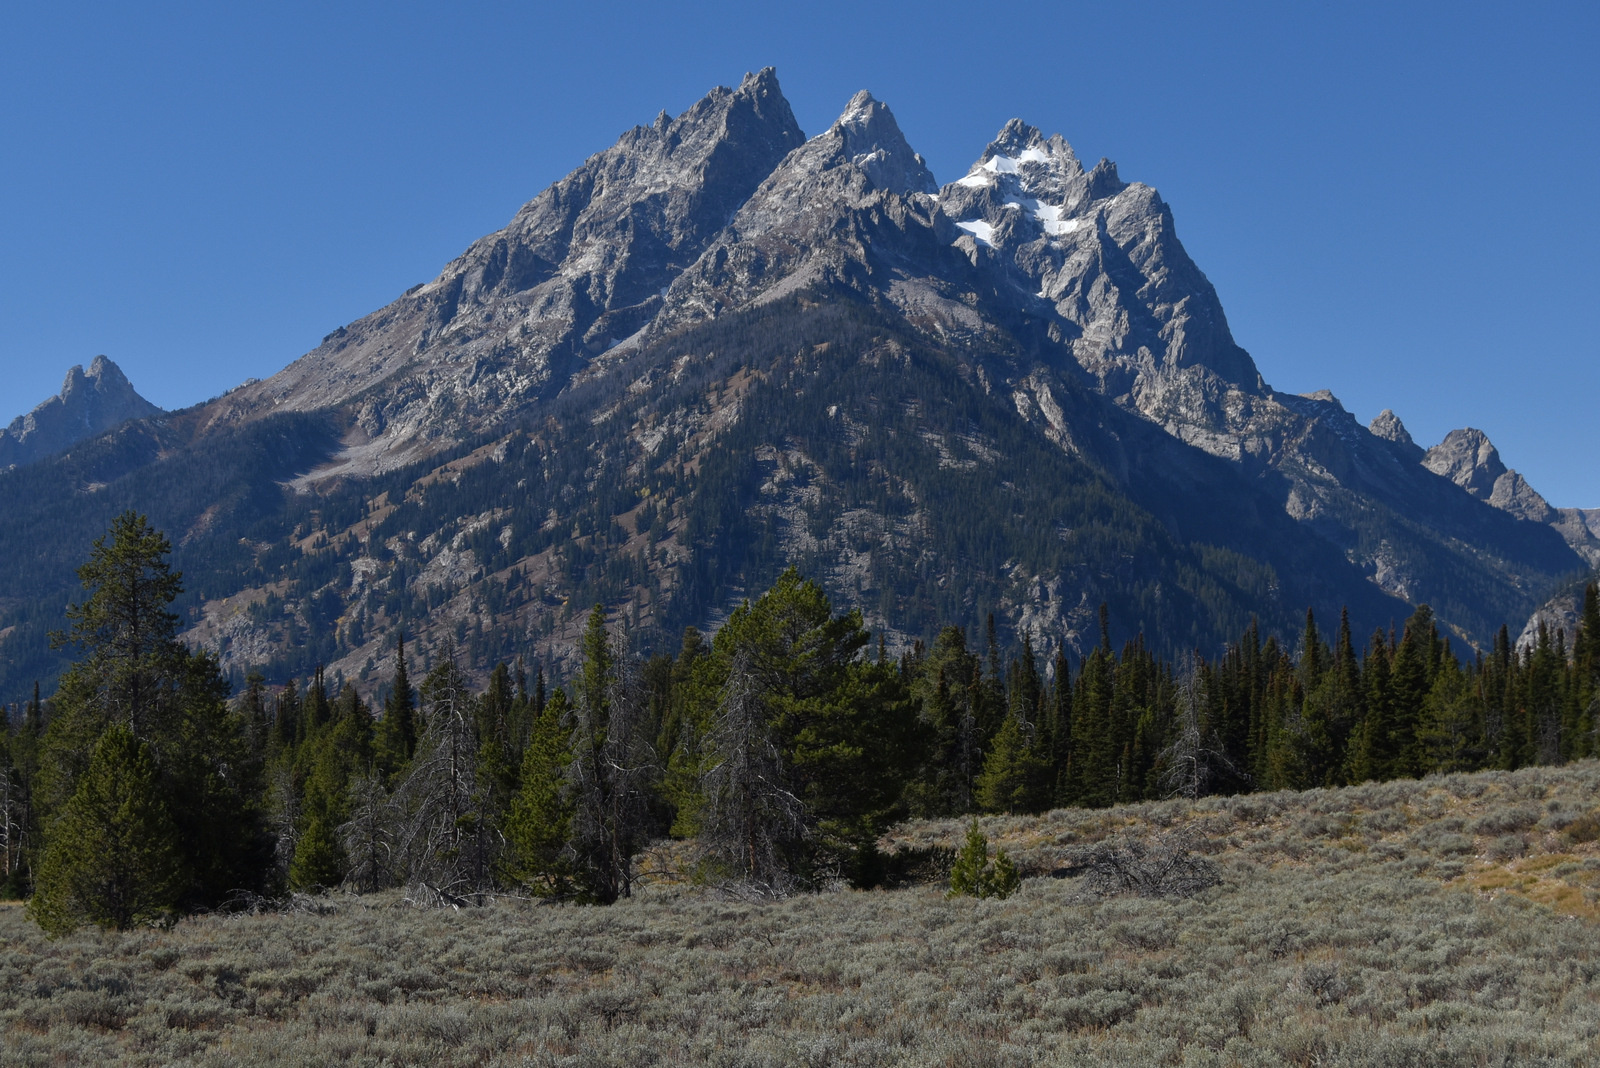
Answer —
778 750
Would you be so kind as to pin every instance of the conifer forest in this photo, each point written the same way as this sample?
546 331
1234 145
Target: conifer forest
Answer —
774 755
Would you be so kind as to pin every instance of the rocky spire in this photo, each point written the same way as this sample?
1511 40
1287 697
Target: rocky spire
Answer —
1388 426
873 141
90 402
1469 459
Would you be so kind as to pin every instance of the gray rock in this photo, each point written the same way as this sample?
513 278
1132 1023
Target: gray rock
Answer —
1388 426
90 403
872 139
581 267
1467 458
1063 288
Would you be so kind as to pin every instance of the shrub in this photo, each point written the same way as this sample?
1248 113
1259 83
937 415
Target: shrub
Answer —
1508 847
1166 866
1506 820
1585 828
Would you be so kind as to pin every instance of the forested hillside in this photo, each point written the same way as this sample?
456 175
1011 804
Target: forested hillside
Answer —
779 749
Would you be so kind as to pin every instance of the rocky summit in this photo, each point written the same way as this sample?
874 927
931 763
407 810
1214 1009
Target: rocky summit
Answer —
720 348
90 402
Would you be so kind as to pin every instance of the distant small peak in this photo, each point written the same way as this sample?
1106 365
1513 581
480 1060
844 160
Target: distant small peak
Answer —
1324 395
860 108
662 120
1468 458
1389 427
1021 150
1014 137
1104 181
763 80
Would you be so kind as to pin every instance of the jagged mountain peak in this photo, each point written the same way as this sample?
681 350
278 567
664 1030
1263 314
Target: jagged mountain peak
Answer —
582 266
1388 426
1469 459
90 401
871 138
1022 159
791 354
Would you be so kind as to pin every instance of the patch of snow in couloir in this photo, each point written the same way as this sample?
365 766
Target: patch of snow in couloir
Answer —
978 229
1049 216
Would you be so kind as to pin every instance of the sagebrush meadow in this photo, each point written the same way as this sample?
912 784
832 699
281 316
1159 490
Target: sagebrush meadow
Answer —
1447 921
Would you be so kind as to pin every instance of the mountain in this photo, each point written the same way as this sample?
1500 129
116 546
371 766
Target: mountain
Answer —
719 348
89 403
513 318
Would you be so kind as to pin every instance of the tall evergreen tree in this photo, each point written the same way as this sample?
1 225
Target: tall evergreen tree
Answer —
112 858
136 674
397 732
539 826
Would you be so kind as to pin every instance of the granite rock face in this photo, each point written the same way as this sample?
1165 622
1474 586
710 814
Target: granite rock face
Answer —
1388 426
582 266
630 318
90 403
1066 287
1467 458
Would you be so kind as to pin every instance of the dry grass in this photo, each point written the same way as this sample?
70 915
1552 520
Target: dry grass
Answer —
1387 924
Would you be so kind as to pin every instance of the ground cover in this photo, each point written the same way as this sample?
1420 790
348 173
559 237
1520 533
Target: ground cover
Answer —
1449 921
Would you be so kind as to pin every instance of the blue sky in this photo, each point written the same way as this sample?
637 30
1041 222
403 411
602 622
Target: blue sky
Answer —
1395 201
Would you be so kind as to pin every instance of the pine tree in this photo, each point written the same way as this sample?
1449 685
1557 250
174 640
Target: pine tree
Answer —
943 683
974 875
966 874
112 858
1015 775
318 856
132 661
1092 771
1410 680
286 720
397 733
1586 677
444 838
613 763
1373 753
136 674
539 826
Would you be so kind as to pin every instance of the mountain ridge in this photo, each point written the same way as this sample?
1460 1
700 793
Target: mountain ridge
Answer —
623 393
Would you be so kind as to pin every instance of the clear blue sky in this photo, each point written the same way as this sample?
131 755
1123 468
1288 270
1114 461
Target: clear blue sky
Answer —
1397 202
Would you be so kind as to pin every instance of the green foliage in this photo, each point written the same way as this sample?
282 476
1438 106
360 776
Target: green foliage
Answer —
318 860
1016 775
112 858
974 875
539 826
784 746
135 676
397 736
825 740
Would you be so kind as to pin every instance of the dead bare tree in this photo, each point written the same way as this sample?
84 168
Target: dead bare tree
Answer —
613 763
368 835
753 821
438 832
1165 866
284 805
13 821
1193 760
